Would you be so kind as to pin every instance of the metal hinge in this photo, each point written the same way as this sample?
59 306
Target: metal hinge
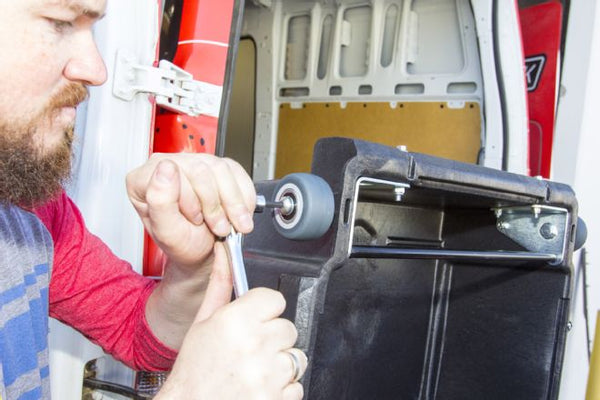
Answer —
173 87
538 228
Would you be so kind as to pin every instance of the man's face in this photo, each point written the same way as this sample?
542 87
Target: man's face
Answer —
48 59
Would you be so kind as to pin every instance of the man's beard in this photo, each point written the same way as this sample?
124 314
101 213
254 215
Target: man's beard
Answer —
29 173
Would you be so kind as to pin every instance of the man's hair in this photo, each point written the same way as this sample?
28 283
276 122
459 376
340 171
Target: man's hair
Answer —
30 174
28 177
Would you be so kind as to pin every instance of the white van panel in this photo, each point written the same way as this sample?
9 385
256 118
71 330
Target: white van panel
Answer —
113 138
575 162
378 51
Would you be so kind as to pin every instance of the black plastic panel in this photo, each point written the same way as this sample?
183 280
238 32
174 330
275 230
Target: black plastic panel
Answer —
420 328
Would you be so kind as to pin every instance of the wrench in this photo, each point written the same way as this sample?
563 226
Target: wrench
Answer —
233 245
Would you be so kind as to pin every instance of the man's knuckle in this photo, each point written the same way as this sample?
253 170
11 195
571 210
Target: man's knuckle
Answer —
221 167
291 330
278 300
213 211
155 157
231 163
198 169
155 198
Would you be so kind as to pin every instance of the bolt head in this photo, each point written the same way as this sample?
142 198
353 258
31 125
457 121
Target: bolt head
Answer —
548 231
503 225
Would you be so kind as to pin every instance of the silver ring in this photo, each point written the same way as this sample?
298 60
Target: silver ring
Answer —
297 373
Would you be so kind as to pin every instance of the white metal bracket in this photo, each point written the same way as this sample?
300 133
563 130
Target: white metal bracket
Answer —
173 87
539 228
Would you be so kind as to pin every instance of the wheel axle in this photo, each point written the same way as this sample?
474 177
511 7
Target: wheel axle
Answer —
286 205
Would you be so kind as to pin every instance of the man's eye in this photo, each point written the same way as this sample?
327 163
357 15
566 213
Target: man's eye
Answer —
60 25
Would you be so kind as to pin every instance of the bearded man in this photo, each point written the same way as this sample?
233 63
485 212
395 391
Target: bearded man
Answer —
51 265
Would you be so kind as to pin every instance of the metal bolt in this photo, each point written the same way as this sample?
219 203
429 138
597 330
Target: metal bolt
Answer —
548 231
398 193
288 205
503 225
569 325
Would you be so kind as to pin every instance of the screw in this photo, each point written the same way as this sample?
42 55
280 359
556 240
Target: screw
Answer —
398 193
548 231
503 226
569 325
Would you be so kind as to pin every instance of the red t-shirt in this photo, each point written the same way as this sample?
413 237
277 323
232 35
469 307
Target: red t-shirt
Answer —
99 294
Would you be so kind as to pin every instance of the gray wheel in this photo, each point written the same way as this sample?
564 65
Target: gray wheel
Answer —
312 211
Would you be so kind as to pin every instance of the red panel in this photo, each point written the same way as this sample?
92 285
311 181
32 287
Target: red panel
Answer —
205 26
176 133
203 61
541 30
206 19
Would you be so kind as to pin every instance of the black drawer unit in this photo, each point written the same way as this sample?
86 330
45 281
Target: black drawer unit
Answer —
436 279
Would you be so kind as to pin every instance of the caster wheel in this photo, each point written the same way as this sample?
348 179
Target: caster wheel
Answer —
310 207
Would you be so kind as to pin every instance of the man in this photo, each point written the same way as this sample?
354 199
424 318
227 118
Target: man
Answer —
50 264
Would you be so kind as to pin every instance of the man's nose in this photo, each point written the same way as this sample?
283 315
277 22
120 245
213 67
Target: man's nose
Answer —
86 64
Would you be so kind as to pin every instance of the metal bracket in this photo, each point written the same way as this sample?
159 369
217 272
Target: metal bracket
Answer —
379 189
173 87
538 228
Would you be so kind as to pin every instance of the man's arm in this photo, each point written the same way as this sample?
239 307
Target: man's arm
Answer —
237 348
186 201
97 293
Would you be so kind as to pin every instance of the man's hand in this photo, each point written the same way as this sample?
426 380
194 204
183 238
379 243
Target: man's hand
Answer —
240 351
185 202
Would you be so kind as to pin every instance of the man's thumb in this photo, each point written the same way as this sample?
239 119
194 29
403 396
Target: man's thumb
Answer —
220 286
